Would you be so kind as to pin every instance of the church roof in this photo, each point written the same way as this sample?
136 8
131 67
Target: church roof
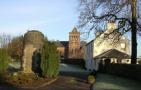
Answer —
59 44
63 43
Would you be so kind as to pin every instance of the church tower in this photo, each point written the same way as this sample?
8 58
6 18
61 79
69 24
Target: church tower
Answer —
74 44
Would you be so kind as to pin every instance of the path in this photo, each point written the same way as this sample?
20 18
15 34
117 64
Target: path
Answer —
72 77
73 71
67 83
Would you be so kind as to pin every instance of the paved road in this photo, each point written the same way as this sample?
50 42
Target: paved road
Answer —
109 82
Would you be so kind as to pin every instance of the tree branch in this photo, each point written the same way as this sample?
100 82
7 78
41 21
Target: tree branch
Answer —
139 26
111 15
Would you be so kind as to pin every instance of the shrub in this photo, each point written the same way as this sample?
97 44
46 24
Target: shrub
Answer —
50 60
91 79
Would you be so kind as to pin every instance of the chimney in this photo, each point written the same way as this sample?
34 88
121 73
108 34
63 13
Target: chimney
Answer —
111 26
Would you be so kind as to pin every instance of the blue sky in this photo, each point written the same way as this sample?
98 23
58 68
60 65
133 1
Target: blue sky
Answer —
139 46
55 18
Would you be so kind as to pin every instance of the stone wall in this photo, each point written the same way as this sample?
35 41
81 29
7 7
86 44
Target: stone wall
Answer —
125 70
61 51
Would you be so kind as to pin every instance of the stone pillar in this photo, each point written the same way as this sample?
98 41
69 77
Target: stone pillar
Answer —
27 58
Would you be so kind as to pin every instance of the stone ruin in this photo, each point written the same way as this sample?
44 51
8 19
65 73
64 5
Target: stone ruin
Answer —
33 40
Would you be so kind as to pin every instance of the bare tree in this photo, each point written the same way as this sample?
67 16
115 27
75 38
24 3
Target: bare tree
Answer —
94 14
5 39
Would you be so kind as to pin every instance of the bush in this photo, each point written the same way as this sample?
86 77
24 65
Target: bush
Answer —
4 60
50 60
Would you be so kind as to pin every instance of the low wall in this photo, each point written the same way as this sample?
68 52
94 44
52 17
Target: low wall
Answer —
80 62
126 70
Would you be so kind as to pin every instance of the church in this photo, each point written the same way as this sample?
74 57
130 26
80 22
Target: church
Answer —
71 49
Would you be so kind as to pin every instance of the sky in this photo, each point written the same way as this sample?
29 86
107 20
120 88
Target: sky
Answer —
54 18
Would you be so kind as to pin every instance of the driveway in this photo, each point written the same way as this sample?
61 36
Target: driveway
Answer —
73 71
67 83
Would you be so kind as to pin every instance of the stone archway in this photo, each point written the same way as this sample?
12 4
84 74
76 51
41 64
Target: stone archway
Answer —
33 40
36 63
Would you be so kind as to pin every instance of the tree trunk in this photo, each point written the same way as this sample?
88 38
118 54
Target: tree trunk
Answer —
134 33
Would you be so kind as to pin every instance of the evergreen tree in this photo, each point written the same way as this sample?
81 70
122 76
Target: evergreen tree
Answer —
50 59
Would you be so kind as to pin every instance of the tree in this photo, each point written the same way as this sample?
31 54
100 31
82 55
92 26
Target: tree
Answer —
50 59
15 48
95 13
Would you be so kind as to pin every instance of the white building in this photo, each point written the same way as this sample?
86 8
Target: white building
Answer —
102 43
